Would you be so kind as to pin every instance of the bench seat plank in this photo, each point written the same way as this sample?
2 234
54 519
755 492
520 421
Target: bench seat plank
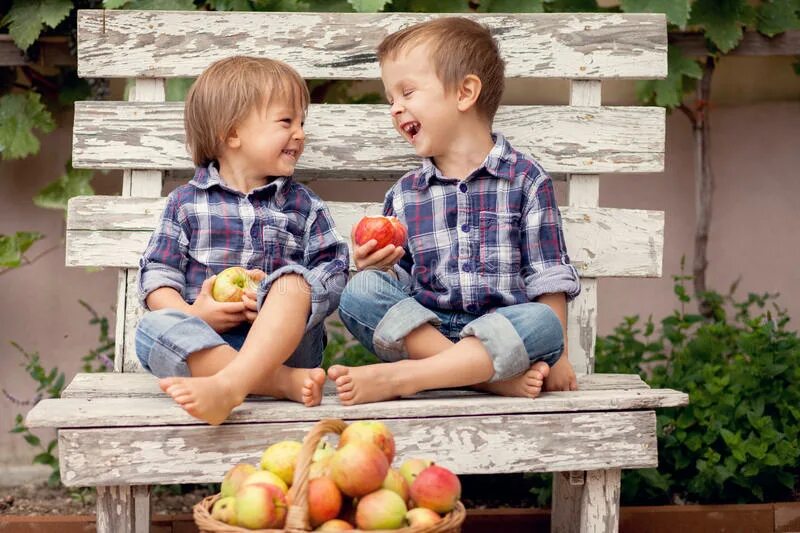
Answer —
468 445
163 411
142 44
150 135
142 385
113 231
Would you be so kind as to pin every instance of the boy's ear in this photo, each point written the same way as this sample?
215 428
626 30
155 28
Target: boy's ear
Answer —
469 91
232 140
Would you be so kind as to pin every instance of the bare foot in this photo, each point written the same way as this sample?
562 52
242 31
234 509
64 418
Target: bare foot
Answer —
311 391
208 398
365 384
526 385
302 385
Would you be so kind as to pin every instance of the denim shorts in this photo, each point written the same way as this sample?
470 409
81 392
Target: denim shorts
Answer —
167 337
380 313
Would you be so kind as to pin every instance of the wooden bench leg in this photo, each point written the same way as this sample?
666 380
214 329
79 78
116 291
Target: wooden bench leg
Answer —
586 503
123 509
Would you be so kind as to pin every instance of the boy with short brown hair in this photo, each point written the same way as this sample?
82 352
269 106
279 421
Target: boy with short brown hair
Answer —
244 129
479 298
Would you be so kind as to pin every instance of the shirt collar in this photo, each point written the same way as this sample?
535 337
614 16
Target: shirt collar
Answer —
207 177
499 163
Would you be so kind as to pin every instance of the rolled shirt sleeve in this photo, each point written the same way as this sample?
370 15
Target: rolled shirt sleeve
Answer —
325 268
164 260
546 267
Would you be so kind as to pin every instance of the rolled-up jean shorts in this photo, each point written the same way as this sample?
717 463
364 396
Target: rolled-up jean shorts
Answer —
167 337
380 313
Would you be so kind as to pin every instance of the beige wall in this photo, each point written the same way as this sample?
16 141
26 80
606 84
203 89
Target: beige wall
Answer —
754 233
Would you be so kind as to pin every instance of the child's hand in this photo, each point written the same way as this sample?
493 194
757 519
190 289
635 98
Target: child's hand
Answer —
366 256
221 316
250 298
562 376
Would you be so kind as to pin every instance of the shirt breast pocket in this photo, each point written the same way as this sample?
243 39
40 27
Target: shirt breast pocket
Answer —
281 247
499 244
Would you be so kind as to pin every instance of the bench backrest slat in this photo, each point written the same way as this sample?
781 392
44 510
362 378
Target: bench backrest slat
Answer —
145 135
159 44
348 139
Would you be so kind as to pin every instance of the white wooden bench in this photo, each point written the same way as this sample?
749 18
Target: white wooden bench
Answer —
118 432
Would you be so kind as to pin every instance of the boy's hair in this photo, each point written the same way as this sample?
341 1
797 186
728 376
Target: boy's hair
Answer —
224 94
459 47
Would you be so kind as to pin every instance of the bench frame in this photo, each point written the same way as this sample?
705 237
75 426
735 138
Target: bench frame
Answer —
121 434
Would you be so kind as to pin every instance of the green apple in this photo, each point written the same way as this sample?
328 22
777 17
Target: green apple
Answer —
280 459
231 284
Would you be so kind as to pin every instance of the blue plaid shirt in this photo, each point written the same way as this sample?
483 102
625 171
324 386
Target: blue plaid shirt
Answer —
280 228
491 240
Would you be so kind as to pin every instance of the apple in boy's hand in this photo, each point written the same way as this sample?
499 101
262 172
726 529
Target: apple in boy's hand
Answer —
385 230
231 284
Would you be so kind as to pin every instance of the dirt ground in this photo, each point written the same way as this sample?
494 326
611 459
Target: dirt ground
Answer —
478 492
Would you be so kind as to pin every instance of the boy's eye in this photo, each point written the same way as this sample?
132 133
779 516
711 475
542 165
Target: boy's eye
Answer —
408 92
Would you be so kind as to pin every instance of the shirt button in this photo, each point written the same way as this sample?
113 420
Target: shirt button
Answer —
472 308
467 267
462 187
465 228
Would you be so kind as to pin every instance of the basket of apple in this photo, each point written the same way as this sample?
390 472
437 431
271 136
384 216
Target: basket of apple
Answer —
314 486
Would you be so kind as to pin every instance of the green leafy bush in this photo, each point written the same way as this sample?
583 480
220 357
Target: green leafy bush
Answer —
737 440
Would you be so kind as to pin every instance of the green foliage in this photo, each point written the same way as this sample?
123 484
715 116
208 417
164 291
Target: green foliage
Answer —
677 11
27 18
13 248
738 441
681 79
368 6
778 16
75 182
50 384
20 114
723 21
342 349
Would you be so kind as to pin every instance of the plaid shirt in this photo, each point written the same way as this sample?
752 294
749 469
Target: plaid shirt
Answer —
281 227
491 240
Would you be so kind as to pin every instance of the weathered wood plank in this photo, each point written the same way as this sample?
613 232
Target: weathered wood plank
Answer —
120 44
115 509
468 445
116 385
562 138
583 191
592 507
112 231
137 183
161 411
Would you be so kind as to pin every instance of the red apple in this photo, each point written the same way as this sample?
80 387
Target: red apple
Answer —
385 230
234 478
231 284
324 500
420 516
437 489
335 525
371 431
260 506
358 468
382 509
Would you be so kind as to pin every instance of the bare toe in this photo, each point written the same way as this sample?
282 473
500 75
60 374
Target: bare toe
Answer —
337 371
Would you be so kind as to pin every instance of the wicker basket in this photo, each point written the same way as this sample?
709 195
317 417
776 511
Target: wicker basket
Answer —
297 515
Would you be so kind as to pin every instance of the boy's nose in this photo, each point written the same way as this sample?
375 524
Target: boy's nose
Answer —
299 134
395 109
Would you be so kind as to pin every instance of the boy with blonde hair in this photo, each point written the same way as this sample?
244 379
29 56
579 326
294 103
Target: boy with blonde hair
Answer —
244 129
479 298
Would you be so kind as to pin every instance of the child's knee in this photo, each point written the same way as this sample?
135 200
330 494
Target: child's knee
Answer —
360 289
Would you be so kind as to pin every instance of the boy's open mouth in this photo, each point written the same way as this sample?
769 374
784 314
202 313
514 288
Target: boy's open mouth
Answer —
411 128
290 153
